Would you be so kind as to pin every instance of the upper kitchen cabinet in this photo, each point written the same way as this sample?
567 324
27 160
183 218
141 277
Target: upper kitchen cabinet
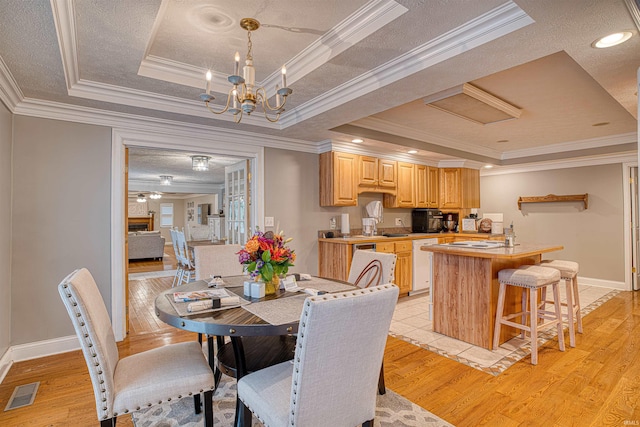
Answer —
338 179
427 183
405 196
459 188
377 175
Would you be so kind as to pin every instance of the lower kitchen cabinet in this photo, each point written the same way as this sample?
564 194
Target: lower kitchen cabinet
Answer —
404 262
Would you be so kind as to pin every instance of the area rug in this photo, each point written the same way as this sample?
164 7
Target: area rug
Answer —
522 347
393 411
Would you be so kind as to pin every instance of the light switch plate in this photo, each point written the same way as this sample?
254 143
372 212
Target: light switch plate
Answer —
268 221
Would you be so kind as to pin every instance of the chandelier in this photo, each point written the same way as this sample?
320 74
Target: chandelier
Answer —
200 163
244 96
155 196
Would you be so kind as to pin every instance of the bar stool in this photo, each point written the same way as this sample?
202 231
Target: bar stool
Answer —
530 278
569 273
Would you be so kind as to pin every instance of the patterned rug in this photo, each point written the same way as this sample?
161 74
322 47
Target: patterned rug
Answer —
393 411
522 349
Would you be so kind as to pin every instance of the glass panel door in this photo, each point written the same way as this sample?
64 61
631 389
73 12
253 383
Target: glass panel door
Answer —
237 194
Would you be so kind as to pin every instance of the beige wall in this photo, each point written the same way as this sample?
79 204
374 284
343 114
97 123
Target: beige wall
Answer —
5 228
61 220
594 237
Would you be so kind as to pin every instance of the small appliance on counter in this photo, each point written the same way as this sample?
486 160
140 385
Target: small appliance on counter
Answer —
369 227
450 222
426 221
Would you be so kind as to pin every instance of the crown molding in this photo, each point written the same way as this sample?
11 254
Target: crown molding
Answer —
563 164
10 93
585 144
65 23
372 151
74 113
496 23
385 126
175 187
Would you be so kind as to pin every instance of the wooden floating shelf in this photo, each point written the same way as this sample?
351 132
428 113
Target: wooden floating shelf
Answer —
553 198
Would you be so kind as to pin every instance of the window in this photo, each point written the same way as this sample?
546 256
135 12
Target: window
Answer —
166 214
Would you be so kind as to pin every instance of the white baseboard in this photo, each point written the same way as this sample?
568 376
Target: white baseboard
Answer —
600 283
44 348
5 364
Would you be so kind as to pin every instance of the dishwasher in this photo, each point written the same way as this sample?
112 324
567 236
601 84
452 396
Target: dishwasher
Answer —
422 270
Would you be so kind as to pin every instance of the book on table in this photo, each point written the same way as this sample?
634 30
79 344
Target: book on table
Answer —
199 295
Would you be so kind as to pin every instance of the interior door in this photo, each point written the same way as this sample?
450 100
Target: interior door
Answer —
635 228
237 184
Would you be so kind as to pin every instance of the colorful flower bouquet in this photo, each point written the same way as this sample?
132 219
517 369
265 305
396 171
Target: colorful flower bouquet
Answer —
266 257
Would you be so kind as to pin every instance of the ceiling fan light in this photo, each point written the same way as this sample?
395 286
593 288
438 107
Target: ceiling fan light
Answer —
155 196
612 39
200 163
141 198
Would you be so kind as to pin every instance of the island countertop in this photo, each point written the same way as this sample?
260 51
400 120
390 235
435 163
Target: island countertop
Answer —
465 288
518 251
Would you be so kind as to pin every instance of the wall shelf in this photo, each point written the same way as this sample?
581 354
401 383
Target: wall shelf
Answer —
584 198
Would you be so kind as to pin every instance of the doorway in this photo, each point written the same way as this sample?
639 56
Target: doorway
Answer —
190 140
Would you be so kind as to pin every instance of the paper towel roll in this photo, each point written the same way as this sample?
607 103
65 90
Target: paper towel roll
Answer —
344 224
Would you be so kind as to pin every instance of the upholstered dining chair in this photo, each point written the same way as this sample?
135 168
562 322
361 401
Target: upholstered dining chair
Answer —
370 268
217 260
138 381
332 380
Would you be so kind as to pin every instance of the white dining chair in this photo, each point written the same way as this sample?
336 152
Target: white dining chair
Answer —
332 380
177 279
369 268
217 260
188 268
142 380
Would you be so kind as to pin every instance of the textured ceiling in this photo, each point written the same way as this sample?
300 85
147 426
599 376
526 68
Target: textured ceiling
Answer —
356 68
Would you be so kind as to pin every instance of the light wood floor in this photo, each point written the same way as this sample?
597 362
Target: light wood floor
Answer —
595 384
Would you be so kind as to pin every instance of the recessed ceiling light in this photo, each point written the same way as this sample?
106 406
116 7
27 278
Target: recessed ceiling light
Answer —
488 166
612 39
601 124
357 140
412 151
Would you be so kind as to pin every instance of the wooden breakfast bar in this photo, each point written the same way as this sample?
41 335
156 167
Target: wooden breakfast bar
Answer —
465 288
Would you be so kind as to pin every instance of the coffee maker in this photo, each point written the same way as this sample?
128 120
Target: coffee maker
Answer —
450 222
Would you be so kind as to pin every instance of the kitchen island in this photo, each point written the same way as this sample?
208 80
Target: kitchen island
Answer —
465 288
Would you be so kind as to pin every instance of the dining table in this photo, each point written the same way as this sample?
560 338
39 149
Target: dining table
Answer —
253 325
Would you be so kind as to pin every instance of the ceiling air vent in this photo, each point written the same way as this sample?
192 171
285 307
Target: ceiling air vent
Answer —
469 102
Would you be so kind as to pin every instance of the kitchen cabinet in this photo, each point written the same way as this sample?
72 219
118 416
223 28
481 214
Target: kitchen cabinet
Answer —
376 174
338 179
459 188
405 196
404 262
433 187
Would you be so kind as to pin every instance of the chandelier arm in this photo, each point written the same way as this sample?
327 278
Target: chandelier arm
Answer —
270 119
226 107
238 116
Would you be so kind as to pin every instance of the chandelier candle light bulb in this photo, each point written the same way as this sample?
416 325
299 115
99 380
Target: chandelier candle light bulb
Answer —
209 76
284 76
236 68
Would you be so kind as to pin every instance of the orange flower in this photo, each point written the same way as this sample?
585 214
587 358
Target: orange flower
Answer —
252 245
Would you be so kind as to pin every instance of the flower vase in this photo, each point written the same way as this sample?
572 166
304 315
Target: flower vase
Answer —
272 286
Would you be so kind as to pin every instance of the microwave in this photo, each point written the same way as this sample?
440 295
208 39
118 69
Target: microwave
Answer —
426 221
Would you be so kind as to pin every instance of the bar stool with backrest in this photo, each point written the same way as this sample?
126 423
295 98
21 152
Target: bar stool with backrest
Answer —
569 273
189 270
177 279
531 279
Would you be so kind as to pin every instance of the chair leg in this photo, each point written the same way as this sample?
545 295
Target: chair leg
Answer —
533 319
572 329
499 311
381 388
558 309
576 301
244 416
367 423
208 408
197 404
111 422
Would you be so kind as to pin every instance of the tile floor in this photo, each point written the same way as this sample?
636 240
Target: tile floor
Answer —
411 323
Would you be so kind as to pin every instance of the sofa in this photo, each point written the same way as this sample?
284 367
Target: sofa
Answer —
146 244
